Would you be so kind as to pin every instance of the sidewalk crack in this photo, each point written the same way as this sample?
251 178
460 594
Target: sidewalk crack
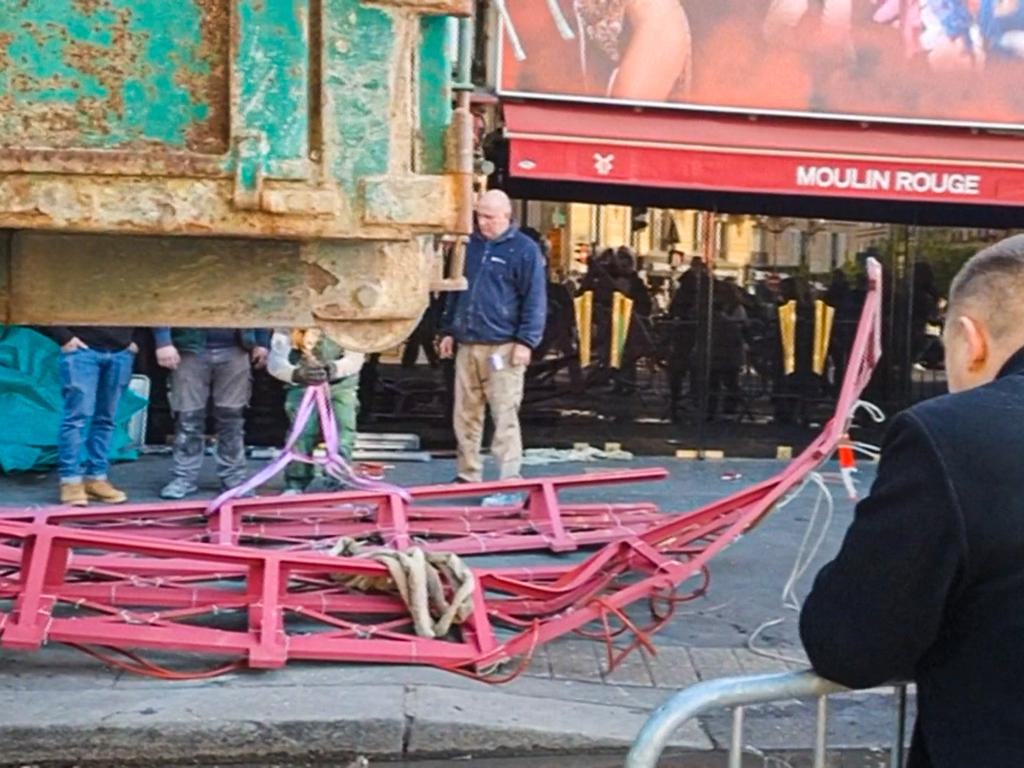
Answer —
408 719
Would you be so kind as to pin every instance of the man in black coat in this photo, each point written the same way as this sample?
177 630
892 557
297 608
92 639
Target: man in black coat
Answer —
929 583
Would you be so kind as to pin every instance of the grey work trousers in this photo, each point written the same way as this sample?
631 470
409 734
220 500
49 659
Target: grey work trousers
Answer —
225 375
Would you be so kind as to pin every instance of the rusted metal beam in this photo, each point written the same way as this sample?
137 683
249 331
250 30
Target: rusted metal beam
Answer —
85 279
205 207
59 279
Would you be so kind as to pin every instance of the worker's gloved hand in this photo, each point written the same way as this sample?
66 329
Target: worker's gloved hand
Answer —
309 374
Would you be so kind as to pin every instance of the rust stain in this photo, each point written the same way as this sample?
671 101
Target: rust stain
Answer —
160 200
123 56
5 60
319 279
316 75
109 65
37 35
128 161
85 57
200 70
63 122
210 136
89 7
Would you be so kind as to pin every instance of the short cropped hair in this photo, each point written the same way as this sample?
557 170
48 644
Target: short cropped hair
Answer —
992 282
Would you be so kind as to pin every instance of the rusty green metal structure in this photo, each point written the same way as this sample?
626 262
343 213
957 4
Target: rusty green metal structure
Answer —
230 162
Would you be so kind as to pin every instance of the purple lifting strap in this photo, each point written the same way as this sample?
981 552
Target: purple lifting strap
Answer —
318 398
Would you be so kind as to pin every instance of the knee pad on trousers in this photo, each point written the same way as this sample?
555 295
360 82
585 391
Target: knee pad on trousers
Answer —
189 437
229 415
230 427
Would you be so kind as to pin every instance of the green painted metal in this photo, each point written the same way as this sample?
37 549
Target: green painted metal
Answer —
270 87
154 75
228 162
229 88
435 79
112 74
358 46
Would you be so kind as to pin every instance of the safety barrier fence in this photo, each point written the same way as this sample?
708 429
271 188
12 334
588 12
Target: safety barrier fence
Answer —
739 693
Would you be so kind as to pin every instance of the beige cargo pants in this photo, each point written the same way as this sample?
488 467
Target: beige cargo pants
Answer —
478 385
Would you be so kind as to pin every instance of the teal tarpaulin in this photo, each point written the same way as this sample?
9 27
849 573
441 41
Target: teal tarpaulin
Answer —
31 404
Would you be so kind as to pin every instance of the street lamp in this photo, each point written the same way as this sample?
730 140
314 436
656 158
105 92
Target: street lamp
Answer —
774 225
811 228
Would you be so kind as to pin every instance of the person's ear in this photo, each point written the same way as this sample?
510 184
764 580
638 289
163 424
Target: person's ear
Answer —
978 346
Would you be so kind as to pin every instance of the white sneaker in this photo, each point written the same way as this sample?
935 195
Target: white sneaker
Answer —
504 500
178 489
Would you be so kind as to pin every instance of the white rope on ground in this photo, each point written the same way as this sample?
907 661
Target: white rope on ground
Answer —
805 555
877 415
421 580
543 456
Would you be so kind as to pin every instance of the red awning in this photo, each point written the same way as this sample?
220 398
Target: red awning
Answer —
615 145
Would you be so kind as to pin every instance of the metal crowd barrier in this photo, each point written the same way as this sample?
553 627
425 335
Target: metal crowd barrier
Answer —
739 693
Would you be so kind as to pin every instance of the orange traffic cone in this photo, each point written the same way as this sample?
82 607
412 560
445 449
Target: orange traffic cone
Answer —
848 468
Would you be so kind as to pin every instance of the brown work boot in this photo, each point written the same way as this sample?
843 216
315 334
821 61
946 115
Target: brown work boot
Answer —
102 490
74 494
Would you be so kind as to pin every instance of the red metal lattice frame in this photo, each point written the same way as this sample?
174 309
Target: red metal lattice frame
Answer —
316 520
136 577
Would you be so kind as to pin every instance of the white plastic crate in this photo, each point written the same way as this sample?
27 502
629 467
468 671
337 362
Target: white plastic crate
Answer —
141 386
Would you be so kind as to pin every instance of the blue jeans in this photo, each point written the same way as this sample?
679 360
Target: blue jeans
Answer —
91 382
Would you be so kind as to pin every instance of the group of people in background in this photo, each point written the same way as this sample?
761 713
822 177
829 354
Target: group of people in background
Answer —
707 330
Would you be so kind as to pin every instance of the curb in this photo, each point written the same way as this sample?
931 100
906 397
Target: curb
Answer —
332 725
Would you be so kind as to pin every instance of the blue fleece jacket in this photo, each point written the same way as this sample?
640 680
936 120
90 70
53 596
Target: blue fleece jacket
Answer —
507 295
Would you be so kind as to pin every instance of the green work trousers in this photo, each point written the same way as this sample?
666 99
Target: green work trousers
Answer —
345 399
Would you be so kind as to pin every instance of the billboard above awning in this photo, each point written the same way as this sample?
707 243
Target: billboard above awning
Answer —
659 148
954 62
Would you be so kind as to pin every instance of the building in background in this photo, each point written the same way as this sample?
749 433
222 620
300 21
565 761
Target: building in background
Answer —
665 240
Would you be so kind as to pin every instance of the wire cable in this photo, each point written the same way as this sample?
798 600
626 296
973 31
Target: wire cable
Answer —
808 550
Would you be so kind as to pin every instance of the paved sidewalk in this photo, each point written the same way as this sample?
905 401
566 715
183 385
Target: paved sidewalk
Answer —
61 707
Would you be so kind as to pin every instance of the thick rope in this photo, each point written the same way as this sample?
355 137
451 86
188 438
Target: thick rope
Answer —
422 579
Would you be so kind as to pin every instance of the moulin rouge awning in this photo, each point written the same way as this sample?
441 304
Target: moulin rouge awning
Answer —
616 145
